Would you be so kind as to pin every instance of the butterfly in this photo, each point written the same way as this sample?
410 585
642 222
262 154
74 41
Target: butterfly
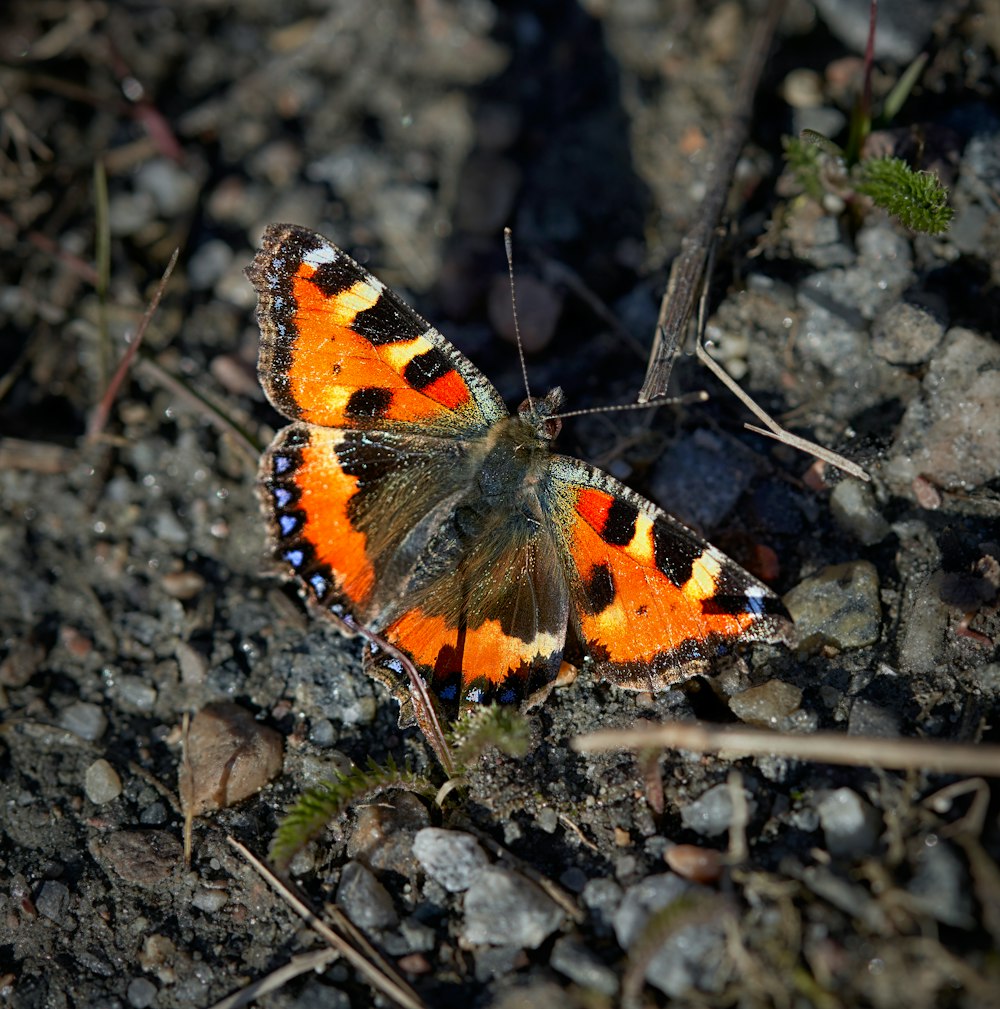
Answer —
406 499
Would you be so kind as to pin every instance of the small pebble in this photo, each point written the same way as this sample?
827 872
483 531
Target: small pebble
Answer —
851 826
154 815
136 693
689 861
767 705
210 900
322 733
574 879
572 958
141 992
450 857
20 663
547 820
940 885
183 585
839 605
192 664
208 264
906 334
691 958
172 189
538 309
85 720
364 899
53 900
383 834
854 509
924 630
102 783
503 908
950 434
602 897
712 813
701 477
129 213
802 88
869 719
487 189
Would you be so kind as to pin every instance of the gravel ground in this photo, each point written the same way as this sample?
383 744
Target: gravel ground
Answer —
136 584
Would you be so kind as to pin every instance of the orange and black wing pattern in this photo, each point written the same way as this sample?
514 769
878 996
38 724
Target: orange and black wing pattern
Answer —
652 602
407 501
340 349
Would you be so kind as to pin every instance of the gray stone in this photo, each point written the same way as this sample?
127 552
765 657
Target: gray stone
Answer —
838 605
85 720
602 897
941 886
906 334
450 857
53 900
210 900
136 693
208 264
850 825
572 958
950 434
712 812
503 908
364 899
768 705
904 26
141 992
701 477
173 190
691 957
870 719
854 509
101 782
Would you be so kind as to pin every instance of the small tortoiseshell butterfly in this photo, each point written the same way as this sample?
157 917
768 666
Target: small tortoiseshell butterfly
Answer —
408 500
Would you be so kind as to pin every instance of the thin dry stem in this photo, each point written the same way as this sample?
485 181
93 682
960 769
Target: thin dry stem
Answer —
379 976
824 747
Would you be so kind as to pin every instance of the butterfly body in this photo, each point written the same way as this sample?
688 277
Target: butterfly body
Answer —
405 498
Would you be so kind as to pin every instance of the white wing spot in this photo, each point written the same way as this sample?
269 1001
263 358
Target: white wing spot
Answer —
324 254
755 600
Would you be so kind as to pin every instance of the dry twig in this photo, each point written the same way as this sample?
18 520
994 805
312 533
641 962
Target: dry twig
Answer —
823 747
379 975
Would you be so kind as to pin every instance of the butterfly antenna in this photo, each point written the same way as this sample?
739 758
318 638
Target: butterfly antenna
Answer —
508 244
685 400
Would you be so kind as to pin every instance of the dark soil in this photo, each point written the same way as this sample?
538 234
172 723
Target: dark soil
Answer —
136 584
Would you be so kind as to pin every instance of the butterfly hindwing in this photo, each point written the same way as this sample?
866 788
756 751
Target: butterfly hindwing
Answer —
652 602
